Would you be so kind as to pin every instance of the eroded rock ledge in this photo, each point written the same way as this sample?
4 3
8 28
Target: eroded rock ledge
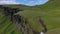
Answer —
21 21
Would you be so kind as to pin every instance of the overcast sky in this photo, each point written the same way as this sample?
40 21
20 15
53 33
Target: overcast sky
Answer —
25 2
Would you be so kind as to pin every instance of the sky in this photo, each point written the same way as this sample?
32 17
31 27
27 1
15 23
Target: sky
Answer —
25 2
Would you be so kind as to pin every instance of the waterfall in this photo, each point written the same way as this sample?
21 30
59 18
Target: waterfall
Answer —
41 32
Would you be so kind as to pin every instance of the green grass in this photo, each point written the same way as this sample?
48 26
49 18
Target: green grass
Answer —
50 13
54 31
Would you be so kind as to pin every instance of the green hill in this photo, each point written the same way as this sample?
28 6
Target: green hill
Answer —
49 11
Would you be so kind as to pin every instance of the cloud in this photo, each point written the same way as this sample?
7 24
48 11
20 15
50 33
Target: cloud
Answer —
8 2
32 2
25 2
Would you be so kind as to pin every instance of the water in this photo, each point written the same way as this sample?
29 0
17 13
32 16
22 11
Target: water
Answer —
41 32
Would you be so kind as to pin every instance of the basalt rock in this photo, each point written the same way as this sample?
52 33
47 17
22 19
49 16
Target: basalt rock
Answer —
8 11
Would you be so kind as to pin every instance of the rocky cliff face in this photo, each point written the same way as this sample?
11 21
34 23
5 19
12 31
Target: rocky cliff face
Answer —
21 21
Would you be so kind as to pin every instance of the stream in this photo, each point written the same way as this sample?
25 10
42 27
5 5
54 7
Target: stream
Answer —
43 25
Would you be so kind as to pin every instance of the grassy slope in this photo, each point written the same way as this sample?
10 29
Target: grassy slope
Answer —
52 18
50 13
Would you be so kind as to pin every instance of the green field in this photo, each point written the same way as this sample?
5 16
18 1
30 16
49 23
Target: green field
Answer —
49 11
